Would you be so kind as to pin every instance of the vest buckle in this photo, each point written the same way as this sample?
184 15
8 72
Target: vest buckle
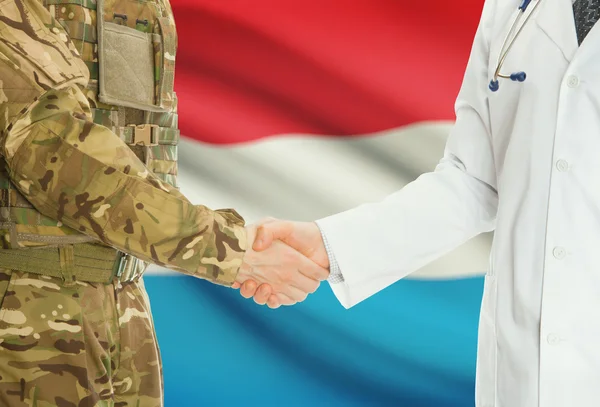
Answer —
127 267
119 265
144 134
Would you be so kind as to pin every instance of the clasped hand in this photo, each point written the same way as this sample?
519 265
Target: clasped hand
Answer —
285 261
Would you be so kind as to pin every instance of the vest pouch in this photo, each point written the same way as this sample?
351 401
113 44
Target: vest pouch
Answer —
126 54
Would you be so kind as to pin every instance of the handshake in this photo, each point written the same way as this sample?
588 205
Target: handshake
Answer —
284 262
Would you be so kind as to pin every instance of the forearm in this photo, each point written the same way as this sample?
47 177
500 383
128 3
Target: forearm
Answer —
379 243
86 177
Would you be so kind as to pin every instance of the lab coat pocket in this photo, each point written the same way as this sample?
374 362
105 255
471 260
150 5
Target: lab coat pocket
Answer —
485 388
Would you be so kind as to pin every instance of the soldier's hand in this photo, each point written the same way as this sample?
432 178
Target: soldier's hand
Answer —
305 237
290 275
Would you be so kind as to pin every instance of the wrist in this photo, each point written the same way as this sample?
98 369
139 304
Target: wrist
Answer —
243 272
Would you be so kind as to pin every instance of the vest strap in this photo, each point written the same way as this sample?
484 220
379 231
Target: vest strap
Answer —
66 255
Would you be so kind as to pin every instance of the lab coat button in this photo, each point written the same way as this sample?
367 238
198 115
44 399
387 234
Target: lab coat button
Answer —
572 81
559 252
553 339
562 165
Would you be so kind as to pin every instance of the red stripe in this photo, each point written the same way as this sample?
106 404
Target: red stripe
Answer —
254 68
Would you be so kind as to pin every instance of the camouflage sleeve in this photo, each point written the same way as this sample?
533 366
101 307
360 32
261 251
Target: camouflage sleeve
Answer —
85 176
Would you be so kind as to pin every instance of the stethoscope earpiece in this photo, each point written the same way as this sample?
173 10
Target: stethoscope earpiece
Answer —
494 85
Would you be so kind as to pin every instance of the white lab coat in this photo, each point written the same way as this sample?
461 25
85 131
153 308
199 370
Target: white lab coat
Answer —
524 161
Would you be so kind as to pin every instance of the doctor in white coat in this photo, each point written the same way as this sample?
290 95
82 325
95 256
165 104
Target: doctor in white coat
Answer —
523 160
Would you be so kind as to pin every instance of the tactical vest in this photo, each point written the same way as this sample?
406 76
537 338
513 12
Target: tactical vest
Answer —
129 48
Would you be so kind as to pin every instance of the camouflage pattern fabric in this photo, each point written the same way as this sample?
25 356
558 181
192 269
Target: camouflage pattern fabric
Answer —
80 173
66 174
113 196
80 346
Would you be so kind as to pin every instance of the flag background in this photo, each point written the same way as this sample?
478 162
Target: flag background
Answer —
301 109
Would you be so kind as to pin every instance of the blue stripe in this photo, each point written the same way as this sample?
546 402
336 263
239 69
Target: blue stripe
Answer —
414 345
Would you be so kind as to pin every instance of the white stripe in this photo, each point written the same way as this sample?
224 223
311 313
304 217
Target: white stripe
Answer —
305 177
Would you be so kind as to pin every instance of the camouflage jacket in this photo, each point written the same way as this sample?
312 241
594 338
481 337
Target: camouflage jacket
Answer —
82 174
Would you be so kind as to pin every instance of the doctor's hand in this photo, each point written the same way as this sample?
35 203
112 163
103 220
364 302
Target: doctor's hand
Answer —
305 237
290 275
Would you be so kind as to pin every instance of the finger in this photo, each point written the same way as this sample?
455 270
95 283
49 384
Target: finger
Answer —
311 269
295 294
266 233
273 302
262 244
285 300
262 294
236 285
277 300
248 288
303 283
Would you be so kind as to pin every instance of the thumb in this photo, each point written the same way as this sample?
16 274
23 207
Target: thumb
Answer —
264 238
267 232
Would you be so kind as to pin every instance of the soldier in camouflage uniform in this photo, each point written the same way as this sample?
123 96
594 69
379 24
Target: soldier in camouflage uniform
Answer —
88 197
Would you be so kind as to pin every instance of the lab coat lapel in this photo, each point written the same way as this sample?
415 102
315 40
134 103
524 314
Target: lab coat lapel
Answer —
555 18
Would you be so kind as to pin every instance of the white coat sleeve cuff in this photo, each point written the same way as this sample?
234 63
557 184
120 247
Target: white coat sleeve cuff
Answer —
335 273
343 276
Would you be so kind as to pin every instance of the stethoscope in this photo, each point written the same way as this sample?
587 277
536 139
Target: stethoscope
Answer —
507 45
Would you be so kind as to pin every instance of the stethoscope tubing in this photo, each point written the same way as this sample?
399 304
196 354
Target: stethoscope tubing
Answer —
508 42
